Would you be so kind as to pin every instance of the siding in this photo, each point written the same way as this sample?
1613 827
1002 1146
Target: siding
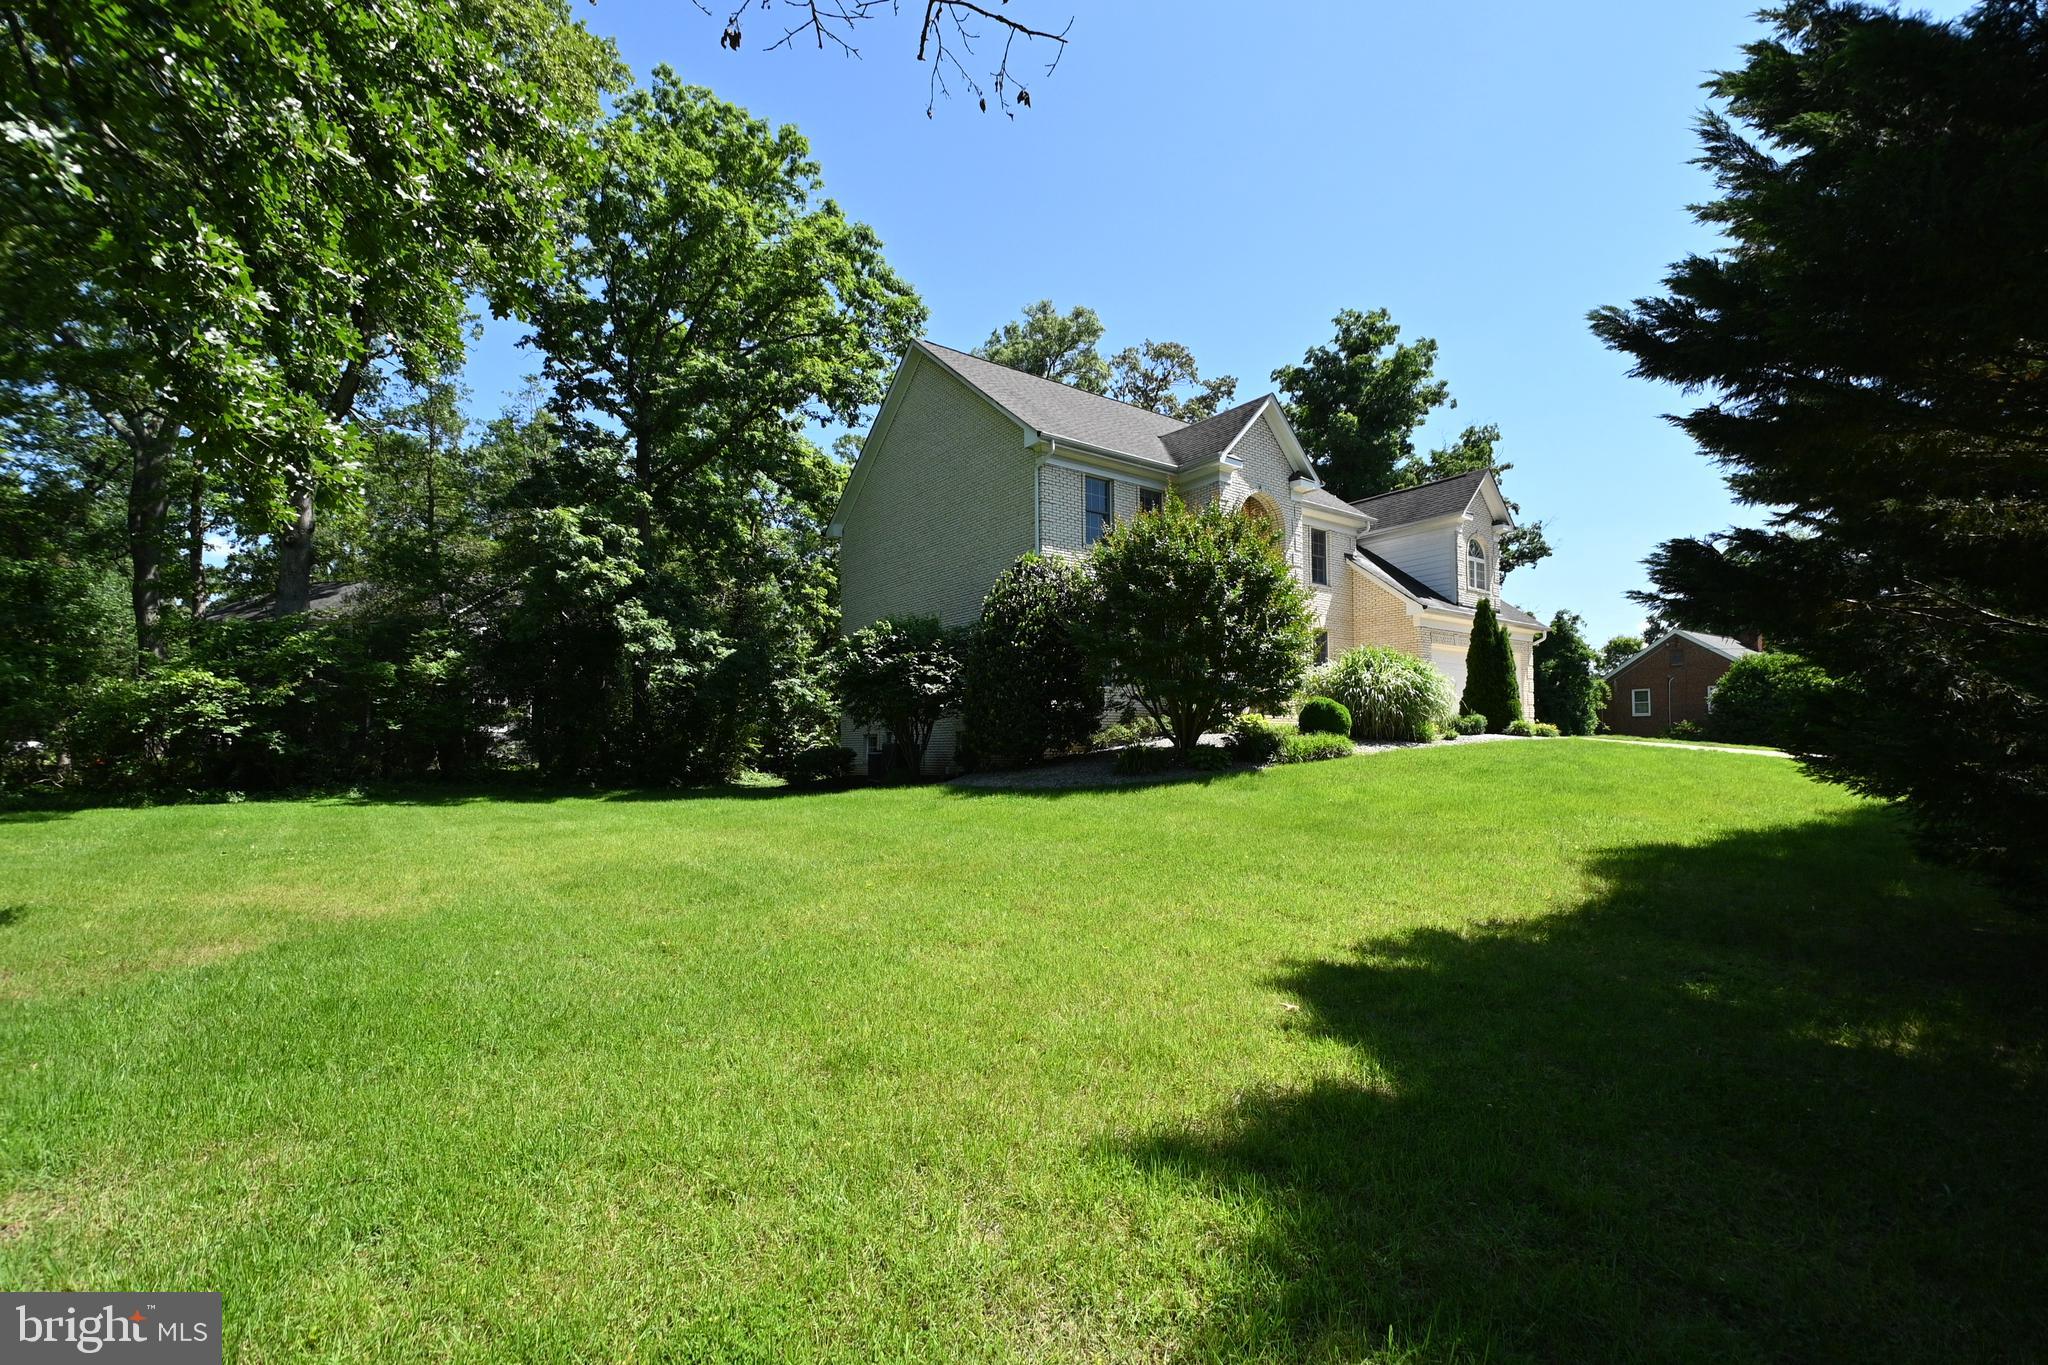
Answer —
1430 554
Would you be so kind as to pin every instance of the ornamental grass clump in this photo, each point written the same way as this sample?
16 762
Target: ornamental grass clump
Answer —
1391 696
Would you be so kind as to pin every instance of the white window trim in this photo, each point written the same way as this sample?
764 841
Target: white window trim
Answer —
1475 552
1324 580
1639 701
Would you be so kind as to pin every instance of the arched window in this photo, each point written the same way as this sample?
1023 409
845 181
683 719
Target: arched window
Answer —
1260 508
1475 566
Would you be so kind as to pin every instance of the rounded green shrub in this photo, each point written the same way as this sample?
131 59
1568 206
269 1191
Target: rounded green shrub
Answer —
1026 689
1543 729
1468 724
1253 739
1767 699
1323 716
1391 696
1523 728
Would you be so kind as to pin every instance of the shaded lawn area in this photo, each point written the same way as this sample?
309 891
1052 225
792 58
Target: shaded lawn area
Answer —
1543 1050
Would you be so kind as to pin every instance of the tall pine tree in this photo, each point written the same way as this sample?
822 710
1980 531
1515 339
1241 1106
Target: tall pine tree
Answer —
1873 338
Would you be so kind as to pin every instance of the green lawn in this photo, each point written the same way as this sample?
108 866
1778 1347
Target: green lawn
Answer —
1554 1050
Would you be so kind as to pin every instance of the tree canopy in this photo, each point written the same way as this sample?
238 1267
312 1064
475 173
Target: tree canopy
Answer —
1871 341
1357 403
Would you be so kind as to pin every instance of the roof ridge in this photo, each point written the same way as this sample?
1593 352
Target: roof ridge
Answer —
1070 388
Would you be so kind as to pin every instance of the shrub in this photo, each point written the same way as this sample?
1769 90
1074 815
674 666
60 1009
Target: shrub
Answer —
1323 716
1518 726
1123 732
1198 615
1312 745
903 674
1768 699
1027 688
1140 759
1390 695
1468 724
1684 729
1543 729
1490 686
822 763
169 729
1254 739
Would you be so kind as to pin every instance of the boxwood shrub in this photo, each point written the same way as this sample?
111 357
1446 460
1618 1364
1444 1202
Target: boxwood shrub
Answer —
1323 716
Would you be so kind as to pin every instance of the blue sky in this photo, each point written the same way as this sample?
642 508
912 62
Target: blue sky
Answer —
1230 176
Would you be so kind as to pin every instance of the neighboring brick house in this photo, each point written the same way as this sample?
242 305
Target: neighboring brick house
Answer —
971 464
1670 681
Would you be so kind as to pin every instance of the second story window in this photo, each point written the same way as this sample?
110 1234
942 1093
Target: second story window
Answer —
1096 515
1150 500
1319 557
1475 567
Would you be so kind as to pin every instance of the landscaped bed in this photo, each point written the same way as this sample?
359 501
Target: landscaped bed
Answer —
1480 1050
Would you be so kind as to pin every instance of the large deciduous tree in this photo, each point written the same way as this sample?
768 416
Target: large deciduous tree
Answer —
1197 614
1052 345
219 217
1357 403
1155 375
710 305
1873 338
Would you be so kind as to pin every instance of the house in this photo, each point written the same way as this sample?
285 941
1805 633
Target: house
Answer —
971 464
1669 681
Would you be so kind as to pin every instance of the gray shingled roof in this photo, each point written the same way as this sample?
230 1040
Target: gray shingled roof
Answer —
322 599
1728 649
1208 439
1062 410
1323 497
1436 499
1428 596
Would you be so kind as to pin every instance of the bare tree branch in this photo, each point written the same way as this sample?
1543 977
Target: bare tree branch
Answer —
943 38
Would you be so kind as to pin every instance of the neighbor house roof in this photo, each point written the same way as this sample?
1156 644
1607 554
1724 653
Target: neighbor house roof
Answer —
1429 597
323 599
1728 649
1438 498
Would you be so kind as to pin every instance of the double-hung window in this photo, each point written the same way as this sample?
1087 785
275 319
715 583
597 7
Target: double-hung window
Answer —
1150 500
1475 566
1097 515
1639 701
1319 557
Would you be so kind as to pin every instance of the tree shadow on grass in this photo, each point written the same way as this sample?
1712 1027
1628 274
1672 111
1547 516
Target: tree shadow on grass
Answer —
1775 1096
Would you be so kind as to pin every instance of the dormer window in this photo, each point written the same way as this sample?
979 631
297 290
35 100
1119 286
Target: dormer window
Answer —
1475 566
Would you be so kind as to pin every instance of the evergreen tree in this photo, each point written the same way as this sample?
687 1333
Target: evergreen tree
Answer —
1490 687
1569 689
1872 336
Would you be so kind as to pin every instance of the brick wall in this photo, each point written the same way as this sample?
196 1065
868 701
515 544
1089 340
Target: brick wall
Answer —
1678 690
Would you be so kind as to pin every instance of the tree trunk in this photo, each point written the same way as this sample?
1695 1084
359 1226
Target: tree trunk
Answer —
295 545
295 548
149 500
195 540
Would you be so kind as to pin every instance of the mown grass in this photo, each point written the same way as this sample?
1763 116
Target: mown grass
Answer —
1564 1051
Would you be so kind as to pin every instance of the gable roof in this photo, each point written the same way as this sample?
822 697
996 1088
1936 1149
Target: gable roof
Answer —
1728 649
1429 597
1208 439
1056 409
1437 498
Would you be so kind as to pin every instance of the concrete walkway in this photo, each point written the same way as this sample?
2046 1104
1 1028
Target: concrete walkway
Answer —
1681 744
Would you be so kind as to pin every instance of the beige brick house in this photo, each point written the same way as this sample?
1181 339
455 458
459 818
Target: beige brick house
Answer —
970 464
